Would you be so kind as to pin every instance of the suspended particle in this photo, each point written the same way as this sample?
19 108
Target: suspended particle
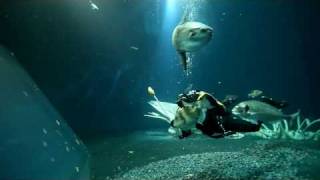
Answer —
25 93
45 144
77 169
93 6
44 131
58 132
134 48
58 122
77 141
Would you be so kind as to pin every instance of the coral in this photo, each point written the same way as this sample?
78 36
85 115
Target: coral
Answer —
281 130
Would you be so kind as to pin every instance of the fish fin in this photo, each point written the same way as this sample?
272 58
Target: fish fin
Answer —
294 115
274 103
183 59
251 113
185 17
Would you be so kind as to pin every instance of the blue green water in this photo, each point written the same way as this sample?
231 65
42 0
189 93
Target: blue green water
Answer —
88 64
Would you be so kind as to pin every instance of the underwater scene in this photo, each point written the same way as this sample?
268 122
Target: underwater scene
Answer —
159 89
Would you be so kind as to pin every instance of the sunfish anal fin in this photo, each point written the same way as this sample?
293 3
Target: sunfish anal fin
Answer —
183 59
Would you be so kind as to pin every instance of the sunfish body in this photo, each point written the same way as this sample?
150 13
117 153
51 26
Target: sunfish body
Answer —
254 111
190 36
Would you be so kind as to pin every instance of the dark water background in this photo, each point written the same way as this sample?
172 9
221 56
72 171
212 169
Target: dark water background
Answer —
82 60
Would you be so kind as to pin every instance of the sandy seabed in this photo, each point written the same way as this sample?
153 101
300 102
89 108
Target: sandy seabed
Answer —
156 155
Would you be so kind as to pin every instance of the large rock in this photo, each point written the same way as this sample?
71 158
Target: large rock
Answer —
35 141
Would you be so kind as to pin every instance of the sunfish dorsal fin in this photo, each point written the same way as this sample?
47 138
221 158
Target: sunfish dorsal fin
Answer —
186 16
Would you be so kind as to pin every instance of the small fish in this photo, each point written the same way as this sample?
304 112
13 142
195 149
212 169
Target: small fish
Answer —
134 48
229 99
130 152
93 6
254 111
255 93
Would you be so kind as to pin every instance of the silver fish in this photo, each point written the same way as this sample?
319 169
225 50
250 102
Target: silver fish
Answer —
254 111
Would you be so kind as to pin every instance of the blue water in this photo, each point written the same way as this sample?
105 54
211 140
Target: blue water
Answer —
94 65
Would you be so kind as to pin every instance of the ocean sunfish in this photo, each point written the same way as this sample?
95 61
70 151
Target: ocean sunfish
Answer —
190 36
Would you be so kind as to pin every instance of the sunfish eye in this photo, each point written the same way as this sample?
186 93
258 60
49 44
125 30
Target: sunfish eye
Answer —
246 108
192 33
203 30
